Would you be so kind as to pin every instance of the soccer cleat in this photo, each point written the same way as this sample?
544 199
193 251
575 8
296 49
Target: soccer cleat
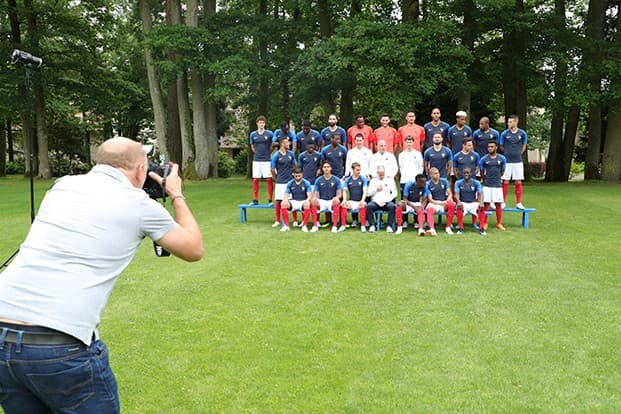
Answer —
482 233
432 232
421 232
255 202
334 229
500 227
342 228
295 224
276 224
284 228
304 229
475 226
405 224
372 229
314 229
416 226
353 224
363 229
520 206
324 225
270 202
448 230
399 230
503 205
389 229
460 231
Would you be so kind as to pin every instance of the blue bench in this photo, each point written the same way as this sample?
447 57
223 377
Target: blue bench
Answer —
243 214
525 212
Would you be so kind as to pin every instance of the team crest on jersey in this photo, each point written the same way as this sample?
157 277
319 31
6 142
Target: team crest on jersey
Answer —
443 155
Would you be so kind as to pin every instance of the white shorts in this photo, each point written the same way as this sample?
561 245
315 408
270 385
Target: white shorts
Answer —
279 191
353 205
492 195
471 208
325 205
514 171
409 209
297 205
261 169
435 207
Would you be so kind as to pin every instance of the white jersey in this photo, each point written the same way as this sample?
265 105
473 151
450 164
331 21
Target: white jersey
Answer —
410 165
387 160
388 192
363 157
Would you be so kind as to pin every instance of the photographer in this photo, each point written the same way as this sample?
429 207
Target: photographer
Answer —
52 295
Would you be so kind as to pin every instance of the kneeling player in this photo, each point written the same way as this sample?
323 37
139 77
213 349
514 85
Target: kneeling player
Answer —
469 198
327 196
413 201
297 197
354 193
439 198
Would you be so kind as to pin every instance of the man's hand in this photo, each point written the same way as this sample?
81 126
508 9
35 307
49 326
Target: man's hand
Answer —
173 181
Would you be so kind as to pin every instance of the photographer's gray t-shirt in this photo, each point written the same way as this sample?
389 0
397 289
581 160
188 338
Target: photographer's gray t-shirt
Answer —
86 233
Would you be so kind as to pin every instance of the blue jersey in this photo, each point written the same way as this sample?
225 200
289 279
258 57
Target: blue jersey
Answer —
355 187
413 193
336 157
312 136
438 191
299 191
512 144
431 129
462 161
326 135
456 136
284 164
439 159
309 163
262 145
327 188
492 169
278 134
468 191
480 140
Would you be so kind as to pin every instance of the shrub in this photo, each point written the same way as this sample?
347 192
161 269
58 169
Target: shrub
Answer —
537 169
64 164
16 167
226 165
576 169
241 162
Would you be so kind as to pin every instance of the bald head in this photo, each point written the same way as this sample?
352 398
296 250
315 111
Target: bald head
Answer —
120 152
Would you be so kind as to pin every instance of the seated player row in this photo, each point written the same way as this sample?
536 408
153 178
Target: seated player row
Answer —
421 197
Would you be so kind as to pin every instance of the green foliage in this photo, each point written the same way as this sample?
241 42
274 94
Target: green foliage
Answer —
576 169
16 167
226 165
241 161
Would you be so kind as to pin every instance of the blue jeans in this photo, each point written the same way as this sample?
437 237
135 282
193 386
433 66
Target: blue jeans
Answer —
72 378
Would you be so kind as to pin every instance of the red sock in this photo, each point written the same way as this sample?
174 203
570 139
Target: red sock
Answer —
277 210
460 218
399 215
430 219
518 191
498 213
421 218
335 215
343 216
450 211
285 216
270 189
362 212
474 219
295 216
255 189
505 191
305 215
314 215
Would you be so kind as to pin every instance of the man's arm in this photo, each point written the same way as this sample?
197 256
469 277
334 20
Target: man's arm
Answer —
184 240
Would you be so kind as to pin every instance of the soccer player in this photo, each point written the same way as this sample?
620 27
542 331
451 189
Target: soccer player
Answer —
332 128
306 135
261 146
360 127
310 163
282 132
355 190
283 163
439 198
387 133
298 194
383 192
466 158
439 157
436 125
468 197
412 129
492 167
361 155
483 135
410 163
413 200
336 155
458 132
513 143
327 196
385 159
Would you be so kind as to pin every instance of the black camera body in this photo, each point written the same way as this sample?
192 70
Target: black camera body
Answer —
152 188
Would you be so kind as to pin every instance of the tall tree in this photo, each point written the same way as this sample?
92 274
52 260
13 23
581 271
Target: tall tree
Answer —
611 161
211 109
410 10
173 132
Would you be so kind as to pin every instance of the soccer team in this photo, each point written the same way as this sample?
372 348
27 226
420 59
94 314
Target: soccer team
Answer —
441 168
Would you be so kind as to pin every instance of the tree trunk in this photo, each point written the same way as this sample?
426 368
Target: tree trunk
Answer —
201 163
468 36
554 159
2 151
9 140
173 134
569 141
42 138
611 162
410 10
159 112
211 108
593 56
347 103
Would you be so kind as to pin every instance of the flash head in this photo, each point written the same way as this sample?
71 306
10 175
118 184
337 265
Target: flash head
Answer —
19 56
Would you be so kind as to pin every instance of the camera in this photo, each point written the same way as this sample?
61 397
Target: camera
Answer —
159 166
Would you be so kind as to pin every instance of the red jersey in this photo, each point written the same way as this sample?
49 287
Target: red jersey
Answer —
416 131
367 133
389 135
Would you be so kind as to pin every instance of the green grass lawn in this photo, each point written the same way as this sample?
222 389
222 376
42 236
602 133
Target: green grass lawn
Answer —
519 321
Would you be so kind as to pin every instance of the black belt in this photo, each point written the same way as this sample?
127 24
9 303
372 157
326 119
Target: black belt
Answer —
34 335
